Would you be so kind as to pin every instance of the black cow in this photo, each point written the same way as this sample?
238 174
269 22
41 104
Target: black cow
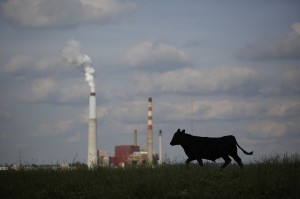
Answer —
198 148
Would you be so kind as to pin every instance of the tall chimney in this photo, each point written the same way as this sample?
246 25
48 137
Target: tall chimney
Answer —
135 138
92 139
150 132
160 147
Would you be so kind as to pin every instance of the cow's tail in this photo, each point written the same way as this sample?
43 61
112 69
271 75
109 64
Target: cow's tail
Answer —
248 153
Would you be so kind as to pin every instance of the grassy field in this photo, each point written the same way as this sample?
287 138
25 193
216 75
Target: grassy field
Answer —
275 177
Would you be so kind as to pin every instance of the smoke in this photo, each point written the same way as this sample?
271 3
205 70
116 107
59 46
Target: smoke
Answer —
73 56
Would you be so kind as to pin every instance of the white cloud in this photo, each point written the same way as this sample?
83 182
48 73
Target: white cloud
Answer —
131 111
52 80
72 93
285 109
209 110
296 28
5 115
83 117
164 112
49 64
102 112
60 13
3 135
41 89
228 110
66 126
234 80
51 90
287 47
286 84
291 81
24 66
268 129
61 127
75 138
19 65
159 56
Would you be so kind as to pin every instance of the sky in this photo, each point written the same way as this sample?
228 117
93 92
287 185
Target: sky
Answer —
212 68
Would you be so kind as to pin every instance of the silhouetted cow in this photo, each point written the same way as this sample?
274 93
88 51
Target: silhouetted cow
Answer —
198 148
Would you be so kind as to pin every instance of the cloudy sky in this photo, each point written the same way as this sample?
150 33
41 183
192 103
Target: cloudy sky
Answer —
211 67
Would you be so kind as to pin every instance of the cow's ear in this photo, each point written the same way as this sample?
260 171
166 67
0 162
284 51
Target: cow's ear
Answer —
178 131
183 131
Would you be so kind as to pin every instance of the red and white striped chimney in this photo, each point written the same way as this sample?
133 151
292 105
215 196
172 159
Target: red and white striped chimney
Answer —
150 132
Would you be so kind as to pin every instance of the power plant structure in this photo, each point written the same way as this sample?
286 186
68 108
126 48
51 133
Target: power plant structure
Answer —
103 159
129 155
135 137
150 132
124 154
92 159
160 147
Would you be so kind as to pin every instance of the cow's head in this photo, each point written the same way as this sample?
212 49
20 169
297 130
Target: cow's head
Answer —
177 138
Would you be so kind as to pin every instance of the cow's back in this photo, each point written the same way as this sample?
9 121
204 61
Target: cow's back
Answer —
208 147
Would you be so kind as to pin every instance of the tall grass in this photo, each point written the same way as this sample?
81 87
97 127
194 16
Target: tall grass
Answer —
272 177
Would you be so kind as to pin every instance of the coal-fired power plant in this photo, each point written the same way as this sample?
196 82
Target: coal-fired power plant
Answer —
92 160
150 132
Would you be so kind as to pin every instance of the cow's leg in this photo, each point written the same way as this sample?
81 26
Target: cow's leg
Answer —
227 161
238 160
200 162
187 162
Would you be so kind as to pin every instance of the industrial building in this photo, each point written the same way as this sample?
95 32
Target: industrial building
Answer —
103 159
132 155
139 158
122 153
129 155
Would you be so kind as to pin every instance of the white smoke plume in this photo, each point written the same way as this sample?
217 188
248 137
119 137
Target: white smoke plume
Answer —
73 56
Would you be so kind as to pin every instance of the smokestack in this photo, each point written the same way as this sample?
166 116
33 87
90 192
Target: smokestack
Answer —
73 56
135 137
150 132
92 139
160 147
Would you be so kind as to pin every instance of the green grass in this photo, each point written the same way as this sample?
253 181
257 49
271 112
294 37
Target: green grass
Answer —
274 177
